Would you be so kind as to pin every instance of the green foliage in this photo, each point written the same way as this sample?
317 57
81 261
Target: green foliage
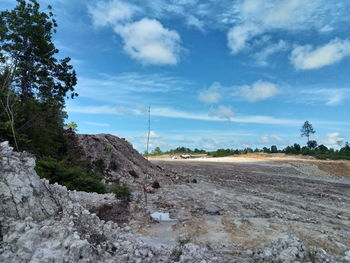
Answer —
312 144
294 149
266 150
183 241
320 152
312 255
108 149
176 254
274 149
73 177
122 192
178 251
113 165
184 150
72 125
306 130
222 152
157 151
99 165
37 81
26 41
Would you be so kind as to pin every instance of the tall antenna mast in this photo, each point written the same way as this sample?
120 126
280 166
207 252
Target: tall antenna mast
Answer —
149 128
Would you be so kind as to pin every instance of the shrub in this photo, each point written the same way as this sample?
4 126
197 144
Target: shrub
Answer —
74 178
113 165
100 165
274 149
122 192
108 149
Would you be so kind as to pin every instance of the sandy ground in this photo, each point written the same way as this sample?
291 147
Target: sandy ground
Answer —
336 168
242 203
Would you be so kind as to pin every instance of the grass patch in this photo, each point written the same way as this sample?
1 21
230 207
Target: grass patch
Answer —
122 192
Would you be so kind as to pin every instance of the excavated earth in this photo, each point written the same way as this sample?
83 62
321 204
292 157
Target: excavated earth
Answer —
219 211
237 207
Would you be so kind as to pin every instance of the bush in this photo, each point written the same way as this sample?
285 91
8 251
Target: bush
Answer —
122 192
274 149
74 178
113 165
108 149
99 165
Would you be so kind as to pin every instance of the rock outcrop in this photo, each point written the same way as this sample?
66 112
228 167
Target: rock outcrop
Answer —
41 222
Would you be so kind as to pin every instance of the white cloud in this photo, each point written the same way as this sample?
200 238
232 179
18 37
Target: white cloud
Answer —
222 112
331 97
145 40
126 111
219 114
97 124
212 94
92 109
155 140
256 18
333 140
209 144
195 22
238 36
264 54
271 140
150 43
308 57
111 12
130 87
246 144
259 90
152 135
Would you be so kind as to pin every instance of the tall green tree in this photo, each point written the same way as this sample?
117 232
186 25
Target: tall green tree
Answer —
306 130
30 69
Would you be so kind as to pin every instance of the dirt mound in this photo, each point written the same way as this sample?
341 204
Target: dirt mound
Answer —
120 162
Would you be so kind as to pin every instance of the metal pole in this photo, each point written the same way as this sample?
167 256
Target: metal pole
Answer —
149 129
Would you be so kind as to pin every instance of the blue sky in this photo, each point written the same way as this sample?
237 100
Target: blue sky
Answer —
217 74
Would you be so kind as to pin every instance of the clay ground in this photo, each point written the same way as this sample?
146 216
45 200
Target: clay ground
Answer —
239 204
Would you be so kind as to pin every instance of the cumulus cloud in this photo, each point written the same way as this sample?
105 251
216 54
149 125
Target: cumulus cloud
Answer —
334 139
145 40
259 90
308 57
212 94
257 18
238 36
222 112
111 12
150 43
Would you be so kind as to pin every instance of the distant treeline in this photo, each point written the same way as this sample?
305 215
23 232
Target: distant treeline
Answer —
319 152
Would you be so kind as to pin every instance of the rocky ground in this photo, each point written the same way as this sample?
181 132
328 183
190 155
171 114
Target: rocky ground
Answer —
237 207
223 212
46 223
